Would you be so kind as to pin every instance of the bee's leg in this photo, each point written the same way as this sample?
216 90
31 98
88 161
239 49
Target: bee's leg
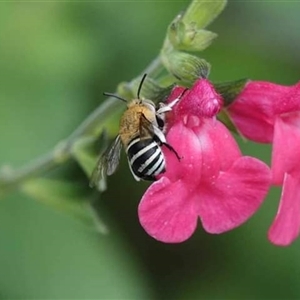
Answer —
168 107
163 108
175 101
172 149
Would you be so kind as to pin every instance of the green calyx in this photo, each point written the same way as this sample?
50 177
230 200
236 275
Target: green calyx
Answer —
230 90
186 67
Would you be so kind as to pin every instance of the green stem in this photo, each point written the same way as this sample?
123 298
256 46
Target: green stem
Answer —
10 179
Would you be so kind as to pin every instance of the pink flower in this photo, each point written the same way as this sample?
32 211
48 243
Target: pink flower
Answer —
270 113
212 181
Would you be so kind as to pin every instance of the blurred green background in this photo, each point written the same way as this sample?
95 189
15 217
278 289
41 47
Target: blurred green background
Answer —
56 59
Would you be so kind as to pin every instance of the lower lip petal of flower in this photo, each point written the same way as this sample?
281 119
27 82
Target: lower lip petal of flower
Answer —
235 195
286 226
166 211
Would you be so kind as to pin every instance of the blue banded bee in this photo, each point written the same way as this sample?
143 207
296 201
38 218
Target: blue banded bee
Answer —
141 132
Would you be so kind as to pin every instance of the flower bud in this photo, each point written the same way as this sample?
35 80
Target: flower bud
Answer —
202 13
202 100
187 33
186 67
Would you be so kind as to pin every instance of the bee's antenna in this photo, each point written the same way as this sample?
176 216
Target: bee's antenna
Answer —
114 96
140 86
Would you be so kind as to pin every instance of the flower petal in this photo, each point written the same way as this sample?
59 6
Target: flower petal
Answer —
167 213
201 101
286 148
286 225
187 145
234 196
219 148
255 109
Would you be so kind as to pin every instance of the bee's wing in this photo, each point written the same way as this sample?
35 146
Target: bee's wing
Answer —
146 129
108 162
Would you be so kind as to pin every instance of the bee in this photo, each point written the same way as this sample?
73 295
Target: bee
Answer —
142 133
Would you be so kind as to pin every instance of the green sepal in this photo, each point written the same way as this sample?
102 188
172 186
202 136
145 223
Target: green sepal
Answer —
176 31
186 67
196 40
230 90
224 117
65 197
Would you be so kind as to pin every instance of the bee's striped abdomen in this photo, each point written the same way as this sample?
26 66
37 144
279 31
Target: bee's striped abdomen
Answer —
145 158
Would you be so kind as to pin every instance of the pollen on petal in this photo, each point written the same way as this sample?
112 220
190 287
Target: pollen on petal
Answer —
286 226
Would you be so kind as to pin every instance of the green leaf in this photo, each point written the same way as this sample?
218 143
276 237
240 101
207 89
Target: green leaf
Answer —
64 197
230 90
201 13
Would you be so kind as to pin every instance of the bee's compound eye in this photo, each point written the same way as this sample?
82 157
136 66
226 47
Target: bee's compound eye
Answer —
160 122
